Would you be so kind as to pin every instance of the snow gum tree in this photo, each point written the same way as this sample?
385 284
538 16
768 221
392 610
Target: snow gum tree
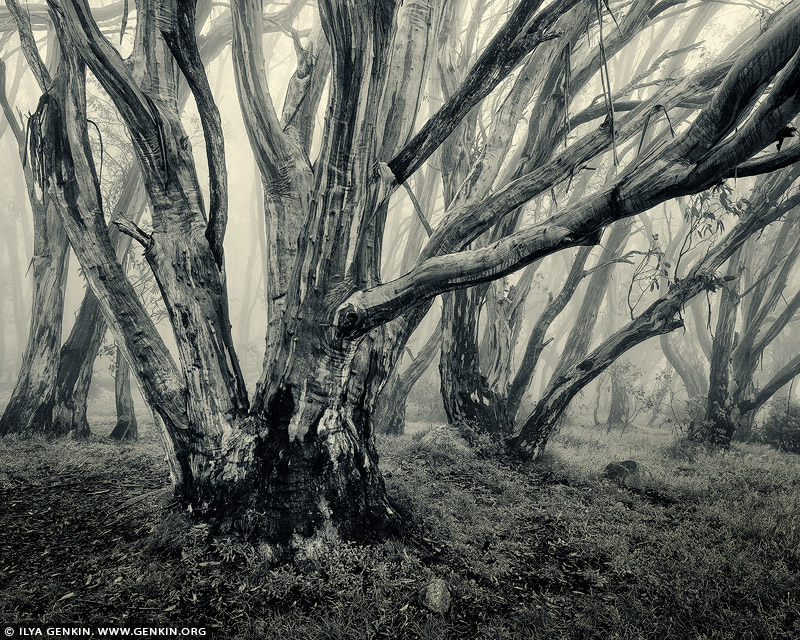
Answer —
296 458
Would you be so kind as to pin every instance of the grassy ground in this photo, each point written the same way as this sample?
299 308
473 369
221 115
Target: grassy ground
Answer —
703 547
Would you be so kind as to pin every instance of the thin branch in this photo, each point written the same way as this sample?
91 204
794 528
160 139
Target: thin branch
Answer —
418 210
130 228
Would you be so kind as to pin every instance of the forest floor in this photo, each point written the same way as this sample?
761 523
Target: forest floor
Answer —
701 547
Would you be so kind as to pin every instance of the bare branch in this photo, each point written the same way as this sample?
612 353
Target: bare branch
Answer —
130 228
29 45
521 33
418 210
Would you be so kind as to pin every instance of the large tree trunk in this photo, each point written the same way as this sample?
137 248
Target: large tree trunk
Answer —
30 406
75 368
718 425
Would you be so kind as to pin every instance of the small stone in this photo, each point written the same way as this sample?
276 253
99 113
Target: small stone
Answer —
436 596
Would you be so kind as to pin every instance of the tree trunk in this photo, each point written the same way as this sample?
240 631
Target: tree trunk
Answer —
79 352
75 368
390 411
126 427
467 396
718 425
690 371
31 403
619 410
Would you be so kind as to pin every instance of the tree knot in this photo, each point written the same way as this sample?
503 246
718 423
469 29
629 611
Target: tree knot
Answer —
349 317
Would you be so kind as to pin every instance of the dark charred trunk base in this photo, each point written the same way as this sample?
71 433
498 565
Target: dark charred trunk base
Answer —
290 492
25 414
72 421
470 402
715 433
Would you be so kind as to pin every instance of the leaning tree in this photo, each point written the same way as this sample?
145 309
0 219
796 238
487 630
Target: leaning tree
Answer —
297 457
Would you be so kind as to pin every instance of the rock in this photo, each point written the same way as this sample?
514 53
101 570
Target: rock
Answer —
620 470
436 596
448 436
627 473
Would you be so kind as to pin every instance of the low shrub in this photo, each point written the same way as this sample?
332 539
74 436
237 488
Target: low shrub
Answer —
782 426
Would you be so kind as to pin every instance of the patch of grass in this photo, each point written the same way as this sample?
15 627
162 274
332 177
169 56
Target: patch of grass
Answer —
708 548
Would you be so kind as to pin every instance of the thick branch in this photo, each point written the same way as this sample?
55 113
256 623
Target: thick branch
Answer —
663 175
521 33
767 163
182 42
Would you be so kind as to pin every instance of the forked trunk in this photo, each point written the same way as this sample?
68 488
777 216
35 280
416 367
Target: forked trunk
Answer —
304 463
